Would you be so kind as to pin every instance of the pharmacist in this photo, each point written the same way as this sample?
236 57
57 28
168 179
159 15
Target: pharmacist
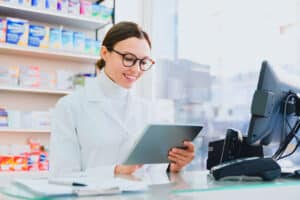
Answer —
94 128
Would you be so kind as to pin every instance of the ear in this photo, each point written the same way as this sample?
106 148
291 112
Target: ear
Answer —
104 53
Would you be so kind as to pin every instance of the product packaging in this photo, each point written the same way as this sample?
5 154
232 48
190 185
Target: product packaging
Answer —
17 31
38 36
2 29
55 38
79 41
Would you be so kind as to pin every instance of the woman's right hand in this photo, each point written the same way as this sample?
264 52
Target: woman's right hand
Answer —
126 169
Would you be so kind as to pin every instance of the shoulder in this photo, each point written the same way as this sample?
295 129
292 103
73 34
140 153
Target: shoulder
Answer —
81 94
72 100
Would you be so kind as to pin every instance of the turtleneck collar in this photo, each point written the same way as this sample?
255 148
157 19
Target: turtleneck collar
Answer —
110 88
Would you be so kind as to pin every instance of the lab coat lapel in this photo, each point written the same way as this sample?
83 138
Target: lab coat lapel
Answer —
96 96
107 108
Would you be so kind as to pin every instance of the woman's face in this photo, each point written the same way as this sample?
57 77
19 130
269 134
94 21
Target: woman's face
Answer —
114 67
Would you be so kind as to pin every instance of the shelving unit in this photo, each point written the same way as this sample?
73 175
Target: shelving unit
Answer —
49 60
38 91
8 130
46 53
51 17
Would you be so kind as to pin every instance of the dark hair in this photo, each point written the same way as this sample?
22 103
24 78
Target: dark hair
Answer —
121 31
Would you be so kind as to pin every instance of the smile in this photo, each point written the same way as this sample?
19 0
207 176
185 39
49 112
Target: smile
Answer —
129 77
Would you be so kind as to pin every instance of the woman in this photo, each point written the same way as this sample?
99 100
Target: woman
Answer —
94 128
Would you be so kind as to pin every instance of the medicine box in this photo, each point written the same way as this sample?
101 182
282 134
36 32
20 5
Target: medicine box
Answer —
79 41
89 43
67 40
55 38
38 36
17 31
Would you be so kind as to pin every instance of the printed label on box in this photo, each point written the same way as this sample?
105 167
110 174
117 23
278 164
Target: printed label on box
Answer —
17 31
38 36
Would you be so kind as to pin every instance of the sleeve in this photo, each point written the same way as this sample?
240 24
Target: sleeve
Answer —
64 145
65 153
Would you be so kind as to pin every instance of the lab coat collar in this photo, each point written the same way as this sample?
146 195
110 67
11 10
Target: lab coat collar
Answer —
96 96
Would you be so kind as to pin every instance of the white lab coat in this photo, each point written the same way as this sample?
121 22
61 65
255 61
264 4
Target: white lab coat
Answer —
88 135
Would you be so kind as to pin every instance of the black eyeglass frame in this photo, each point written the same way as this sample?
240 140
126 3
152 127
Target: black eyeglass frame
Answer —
135 60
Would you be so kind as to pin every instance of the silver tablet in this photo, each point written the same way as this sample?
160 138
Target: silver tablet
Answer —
156 141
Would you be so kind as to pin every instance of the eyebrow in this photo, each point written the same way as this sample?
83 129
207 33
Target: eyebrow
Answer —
127 52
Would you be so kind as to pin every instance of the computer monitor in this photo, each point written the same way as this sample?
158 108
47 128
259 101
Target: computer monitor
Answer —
275 109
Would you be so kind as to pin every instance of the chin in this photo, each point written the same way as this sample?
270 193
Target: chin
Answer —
127 86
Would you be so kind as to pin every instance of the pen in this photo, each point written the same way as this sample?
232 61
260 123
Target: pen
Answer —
58 182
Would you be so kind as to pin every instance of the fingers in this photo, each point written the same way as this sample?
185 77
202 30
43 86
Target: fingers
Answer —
175 167
181 152
177 159
181 157
190 146
188 153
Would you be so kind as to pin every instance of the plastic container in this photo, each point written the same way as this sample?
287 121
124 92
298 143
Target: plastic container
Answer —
85 8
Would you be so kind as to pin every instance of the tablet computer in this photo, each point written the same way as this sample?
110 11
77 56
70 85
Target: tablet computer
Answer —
157 139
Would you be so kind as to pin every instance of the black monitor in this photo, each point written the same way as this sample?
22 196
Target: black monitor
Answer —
275 110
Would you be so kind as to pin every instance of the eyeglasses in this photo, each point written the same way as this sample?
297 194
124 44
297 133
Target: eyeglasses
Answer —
130 59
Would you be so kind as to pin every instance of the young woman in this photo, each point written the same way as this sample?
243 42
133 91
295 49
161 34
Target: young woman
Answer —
94 128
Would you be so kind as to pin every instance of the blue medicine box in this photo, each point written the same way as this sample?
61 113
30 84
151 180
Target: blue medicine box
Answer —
17 31
38 36
67 39
55 38
79 41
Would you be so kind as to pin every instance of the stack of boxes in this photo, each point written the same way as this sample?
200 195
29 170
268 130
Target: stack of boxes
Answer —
20 32
30 157
86 8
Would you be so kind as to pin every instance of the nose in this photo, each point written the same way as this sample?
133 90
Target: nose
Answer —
136 66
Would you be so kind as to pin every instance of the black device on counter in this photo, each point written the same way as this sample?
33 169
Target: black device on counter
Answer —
234 146
265 168
234 158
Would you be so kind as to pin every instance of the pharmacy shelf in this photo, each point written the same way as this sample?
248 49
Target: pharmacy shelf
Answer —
10 130
51 17
33 90
46 53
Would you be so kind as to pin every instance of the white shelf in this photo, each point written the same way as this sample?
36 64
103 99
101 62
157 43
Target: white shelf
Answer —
10 130
51 17
46 53
33 90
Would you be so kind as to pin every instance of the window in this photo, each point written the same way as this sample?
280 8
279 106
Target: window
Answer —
208 56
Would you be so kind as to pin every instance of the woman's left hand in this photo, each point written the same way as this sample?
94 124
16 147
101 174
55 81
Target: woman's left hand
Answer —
181 157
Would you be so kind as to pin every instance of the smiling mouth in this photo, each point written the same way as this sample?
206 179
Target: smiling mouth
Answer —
129 77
